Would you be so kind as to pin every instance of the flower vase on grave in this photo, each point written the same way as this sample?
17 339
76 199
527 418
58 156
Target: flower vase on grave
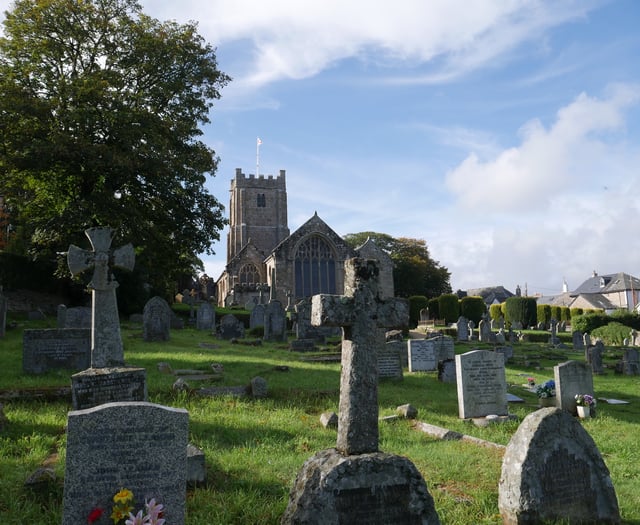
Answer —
547 401
584 412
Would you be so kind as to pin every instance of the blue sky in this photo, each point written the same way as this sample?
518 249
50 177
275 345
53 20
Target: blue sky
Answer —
503 133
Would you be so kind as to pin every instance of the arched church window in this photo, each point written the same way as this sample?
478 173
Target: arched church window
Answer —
249 274
315 268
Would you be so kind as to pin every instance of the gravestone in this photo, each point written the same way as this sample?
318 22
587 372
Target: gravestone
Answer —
578 340
134 445
4 306
595 358
52 348
401 348
355 483
572 378
471 325
206 317
231 327
484 329
586 340
633 337
156 320
75 317
553 471
389 362
506 351
447 371
630 362
257 316
425 354
482 384
463 329
275 322
107 379
106 344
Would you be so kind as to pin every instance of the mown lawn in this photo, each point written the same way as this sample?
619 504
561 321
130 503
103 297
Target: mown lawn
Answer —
254 448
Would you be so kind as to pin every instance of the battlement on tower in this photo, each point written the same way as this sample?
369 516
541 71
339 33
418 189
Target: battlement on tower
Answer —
260 182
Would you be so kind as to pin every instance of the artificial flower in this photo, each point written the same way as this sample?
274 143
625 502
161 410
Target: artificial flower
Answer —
94 515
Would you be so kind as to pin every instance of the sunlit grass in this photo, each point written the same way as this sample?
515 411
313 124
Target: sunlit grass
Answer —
254 448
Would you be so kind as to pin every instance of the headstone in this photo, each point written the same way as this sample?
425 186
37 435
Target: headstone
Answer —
75 317
554 328
447 371
256 318
305 330
586 339
107 379
401 348
275 322
578 340
470 326
3 313
506 351
633 336
156 323
48 349
206 317
389 362
595 358
572 378
482 384
231 327
484 329
500 338
138 446
552 472
354 483
631 364
463 328
422 355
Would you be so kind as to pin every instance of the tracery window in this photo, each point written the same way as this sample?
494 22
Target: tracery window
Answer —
249 274
315 268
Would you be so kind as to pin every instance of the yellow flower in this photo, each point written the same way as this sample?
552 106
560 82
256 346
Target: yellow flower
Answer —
119 513
124 496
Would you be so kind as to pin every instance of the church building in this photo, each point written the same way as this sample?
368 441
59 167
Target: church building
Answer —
263 257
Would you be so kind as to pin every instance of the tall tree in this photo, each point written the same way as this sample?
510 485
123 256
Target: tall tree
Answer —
100 109
415 272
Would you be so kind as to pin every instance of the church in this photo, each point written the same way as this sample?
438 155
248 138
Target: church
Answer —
264 258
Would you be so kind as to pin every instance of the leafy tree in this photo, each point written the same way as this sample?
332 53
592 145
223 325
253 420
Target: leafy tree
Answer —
99 125
415 272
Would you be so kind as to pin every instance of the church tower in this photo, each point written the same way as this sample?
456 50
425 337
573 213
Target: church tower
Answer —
257 213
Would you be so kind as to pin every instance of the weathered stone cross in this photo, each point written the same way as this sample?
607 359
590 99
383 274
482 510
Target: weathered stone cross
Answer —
106 341
363 315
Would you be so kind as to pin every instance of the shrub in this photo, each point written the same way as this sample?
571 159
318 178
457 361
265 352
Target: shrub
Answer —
543 312
589 322
576 312
434 308
495 311
448 307
416 303
522 309
556 313
565 313
473 308
613 333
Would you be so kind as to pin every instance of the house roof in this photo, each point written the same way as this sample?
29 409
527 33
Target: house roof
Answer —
593 300
563 299
491 294
603 284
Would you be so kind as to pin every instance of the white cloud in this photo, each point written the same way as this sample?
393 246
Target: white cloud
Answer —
569 154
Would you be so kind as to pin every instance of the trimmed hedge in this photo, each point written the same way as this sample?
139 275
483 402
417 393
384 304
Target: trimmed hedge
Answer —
522 309
473 308
448 306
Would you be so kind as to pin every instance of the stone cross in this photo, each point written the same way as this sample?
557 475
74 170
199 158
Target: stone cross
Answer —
106 341
363 316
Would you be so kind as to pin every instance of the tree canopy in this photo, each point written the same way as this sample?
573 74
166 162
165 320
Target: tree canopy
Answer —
415 272
100 109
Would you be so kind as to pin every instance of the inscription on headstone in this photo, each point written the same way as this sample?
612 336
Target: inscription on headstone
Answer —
138 446
389 362
482 384
96 386
552 471
44 350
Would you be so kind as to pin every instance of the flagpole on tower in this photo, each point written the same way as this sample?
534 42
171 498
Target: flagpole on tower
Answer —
258 142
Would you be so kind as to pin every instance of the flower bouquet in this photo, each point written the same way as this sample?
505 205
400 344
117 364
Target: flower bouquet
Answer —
546 393
585 404
122 511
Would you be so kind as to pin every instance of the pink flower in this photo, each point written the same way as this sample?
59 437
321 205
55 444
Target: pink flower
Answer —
154 512
136 520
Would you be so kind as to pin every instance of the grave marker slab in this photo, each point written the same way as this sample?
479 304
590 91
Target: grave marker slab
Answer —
257 316
389 361
95 386
422 355
572 378
206 317
482 384
156 320
138 446
553 471
231 327
74 317
275 322
44 350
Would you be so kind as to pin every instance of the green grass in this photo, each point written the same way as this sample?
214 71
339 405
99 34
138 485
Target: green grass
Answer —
254 448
